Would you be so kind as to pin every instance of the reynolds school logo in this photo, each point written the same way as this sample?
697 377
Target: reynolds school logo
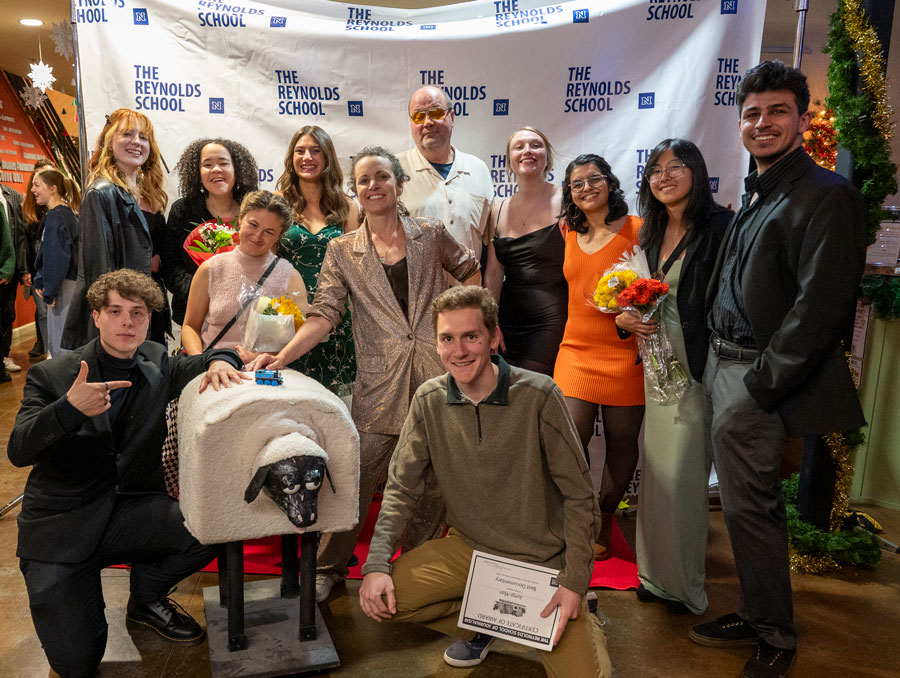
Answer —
728 77
664 10
355 109
217 105
507 14
581 16
360 19
586 95
94 11
140 17
729 6
277 22
427 27
216 13
296 97
154 92
714 184
504 181
646 99
501 106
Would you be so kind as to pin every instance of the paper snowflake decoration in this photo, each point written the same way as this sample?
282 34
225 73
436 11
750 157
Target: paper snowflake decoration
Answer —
33 97
62 38
42 76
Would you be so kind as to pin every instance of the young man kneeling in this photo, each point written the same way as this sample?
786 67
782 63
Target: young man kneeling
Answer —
499 443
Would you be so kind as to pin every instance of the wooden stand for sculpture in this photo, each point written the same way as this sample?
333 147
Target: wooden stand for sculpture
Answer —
282 637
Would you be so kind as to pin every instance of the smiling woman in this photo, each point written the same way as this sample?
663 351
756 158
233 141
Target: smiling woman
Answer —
125 190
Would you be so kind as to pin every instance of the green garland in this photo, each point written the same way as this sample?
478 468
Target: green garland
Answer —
853 113
883 292
844 547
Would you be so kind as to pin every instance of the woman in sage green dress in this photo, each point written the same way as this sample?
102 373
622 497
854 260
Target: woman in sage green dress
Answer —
311 185
682 231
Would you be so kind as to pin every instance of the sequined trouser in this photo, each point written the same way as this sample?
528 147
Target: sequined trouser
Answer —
375 450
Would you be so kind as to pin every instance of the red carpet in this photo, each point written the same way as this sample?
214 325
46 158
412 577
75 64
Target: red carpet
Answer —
263 556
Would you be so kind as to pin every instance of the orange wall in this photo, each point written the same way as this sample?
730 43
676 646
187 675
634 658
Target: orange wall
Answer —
20 146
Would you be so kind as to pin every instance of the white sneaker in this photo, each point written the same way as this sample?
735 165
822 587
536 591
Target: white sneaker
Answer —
11 365
324 584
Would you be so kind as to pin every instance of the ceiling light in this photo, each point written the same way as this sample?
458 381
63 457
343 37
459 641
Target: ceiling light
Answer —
31 22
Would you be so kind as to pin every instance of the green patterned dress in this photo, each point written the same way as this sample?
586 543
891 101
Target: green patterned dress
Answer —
333 362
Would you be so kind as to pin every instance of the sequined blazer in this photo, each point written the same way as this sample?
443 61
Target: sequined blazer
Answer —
395 354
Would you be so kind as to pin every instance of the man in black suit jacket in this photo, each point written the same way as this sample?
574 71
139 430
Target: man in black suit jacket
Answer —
92 425
782 296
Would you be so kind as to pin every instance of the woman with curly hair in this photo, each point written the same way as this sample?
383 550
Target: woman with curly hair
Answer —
311 185
595 369
214 176
125 188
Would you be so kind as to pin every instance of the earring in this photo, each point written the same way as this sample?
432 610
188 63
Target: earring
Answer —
569 213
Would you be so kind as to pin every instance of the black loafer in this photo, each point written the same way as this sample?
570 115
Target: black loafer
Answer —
727 631
168 619
769 662
673 606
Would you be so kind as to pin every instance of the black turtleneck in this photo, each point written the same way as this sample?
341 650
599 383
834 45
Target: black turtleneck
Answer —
116 369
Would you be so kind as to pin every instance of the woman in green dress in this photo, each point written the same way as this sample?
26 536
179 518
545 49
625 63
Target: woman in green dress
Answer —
311 185
682 231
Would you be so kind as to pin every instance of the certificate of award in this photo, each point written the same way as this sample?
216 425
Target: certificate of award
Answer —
504 598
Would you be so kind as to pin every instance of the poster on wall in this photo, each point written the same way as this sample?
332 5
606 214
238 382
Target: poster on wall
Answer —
612 77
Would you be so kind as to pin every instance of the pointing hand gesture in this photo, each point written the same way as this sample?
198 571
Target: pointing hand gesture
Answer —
91 398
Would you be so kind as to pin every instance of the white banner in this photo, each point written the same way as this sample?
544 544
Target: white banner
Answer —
612 77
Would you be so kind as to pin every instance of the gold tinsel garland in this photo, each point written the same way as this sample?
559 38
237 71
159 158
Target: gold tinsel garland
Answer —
871 64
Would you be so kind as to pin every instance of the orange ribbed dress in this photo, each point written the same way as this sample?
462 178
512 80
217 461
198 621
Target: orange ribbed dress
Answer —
593 363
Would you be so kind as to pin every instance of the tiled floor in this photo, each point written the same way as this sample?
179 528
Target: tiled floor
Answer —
849 624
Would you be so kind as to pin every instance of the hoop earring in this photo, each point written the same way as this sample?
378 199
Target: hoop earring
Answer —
569 213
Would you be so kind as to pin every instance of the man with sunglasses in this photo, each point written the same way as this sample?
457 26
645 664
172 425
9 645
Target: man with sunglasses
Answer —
444 182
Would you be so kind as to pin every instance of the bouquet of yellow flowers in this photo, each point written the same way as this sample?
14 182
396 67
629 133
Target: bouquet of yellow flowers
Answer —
272 323
608 287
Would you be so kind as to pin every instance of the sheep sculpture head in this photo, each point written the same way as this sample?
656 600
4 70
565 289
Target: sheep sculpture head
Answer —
293 484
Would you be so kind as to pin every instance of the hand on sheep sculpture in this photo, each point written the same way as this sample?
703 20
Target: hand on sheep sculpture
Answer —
293 484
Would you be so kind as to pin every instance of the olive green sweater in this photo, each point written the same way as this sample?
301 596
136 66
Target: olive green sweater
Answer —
510 469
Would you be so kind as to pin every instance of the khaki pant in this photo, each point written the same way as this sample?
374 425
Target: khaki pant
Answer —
429 582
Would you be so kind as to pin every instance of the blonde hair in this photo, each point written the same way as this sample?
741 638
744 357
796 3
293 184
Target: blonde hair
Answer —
547 145
67 189
103 164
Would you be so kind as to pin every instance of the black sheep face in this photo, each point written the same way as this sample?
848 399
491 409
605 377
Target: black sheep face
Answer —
293 484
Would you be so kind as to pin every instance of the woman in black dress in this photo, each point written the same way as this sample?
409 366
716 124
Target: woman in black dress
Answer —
524 264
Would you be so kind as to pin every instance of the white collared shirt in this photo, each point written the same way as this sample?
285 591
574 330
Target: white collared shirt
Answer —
462 201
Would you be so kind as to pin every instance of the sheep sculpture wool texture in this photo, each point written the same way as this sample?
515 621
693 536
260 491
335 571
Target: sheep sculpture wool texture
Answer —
225 436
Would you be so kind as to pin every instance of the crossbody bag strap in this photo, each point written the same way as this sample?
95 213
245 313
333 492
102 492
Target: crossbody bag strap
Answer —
243 306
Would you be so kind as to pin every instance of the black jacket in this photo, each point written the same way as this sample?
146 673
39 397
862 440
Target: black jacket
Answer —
78 467
696 271
114 235
800 270
18 231
178 268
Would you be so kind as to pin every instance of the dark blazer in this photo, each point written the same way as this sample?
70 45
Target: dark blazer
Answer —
78 467
17 230
806 247
696 272
113 235
178 268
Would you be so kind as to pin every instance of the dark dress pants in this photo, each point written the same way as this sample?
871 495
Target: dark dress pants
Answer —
748 444
66 599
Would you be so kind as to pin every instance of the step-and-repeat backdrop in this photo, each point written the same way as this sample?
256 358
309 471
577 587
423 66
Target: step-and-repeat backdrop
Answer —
612 77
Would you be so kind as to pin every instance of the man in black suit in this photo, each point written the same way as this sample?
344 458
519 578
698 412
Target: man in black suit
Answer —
92 425
782 296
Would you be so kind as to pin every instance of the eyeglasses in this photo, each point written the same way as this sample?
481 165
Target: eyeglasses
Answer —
595 181
674 169
436 113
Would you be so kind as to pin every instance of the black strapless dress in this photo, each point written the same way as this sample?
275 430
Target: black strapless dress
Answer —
534 298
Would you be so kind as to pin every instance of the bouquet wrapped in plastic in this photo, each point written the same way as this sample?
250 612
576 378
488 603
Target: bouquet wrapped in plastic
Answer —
664 376
210 238
269 323
605 293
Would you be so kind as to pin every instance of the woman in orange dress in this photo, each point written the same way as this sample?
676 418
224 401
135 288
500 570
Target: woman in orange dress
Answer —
595 369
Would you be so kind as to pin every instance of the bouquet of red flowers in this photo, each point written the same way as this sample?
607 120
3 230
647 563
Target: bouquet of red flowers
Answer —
210 238
665 377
